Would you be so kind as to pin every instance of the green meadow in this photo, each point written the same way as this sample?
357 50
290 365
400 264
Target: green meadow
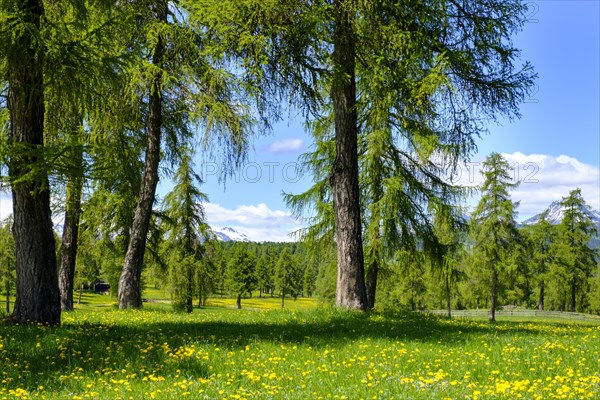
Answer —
309 352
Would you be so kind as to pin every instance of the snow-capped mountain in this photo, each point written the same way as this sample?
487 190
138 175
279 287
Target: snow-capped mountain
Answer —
228 234
556 214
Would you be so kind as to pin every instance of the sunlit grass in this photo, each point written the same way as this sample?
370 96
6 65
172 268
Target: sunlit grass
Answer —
215 353
266 303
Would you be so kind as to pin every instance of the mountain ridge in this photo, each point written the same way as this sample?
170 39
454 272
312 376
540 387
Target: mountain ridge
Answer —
228 234
556 214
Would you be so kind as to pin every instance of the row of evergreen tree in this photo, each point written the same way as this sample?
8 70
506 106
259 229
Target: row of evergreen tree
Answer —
487 262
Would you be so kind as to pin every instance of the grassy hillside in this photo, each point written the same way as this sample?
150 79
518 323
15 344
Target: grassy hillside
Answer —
222 353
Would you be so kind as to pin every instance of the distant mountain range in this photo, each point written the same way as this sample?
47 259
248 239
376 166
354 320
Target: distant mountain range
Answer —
556 213
555 216
228 234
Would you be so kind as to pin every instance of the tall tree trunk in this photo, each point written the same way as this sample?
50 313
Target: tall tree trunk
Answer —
350 288
38 298
68 249
282 298
541 299
448 300
130 294
238 302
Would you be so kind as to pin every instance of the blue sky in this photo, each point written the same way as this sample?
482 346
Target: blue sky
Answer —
555 146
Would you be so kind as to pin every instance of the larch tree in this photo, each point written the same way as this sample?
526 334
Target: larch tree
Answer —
540 236
83 73
574 258
206 274
185 231
22 55
265 271
66 136
433 73
77 58
130 295
186 88
449 231
350 288
413 80
494 226
67 256
287 275
241 277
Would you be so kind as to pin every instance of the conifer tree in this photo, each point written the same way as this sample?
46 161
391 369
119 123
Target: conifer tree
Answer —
129 282
186 231
574 259
22 66
265 270
83 74
77 57
184 87
494 226
241 277
408 72
287 275
541 237
446 258
206 274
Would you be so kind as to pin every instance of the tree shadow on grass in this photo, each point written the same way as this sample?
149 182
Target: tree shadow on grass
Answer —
41 355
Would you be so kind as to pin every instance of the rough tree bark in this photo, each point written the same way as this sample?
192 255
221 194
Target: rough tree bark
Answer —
130 295
350 289
37 291
68 249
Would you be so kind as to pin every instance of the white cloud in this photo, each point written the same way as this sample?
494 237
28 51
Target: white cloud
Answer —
284 146
250 215
543 179
258 222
